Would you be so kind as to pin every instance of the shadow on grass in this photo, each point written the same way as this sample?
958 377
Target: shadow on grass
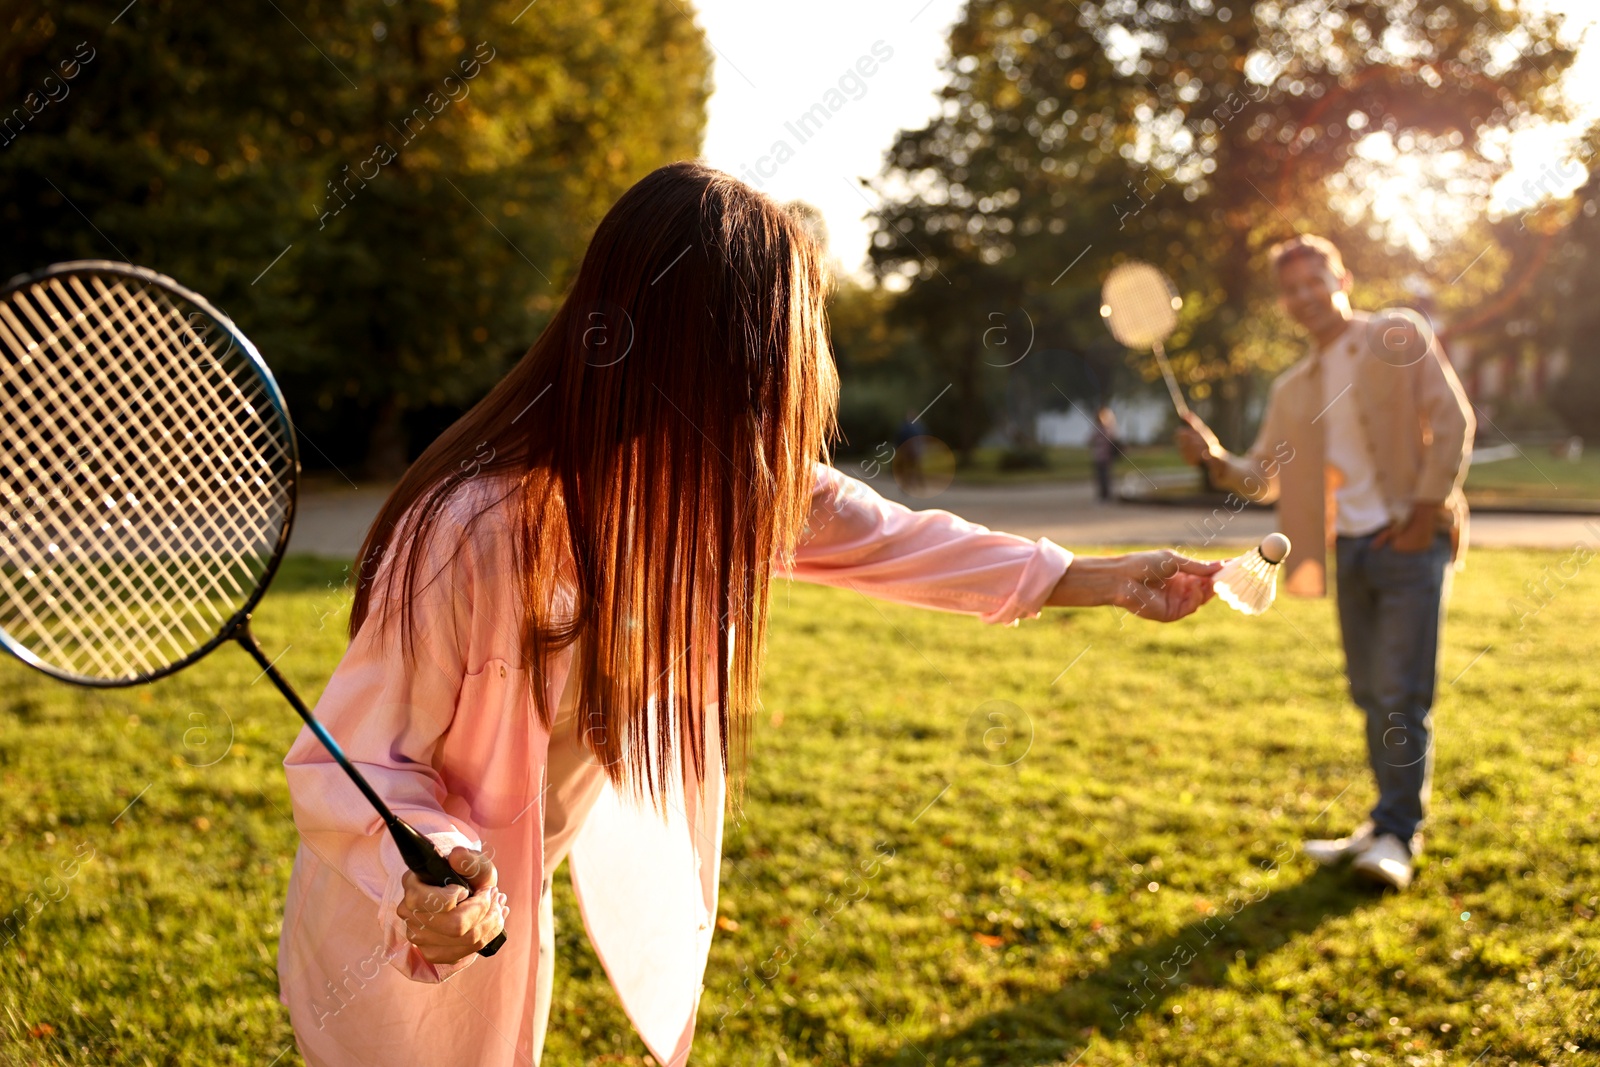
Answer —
1216 951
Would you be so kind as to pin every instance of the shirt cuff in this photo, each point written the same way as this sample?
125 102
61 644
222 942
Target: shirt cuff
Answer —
1039 577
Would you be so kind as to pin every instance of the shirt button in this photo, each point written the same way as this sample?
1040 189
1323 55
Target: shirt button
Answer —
502 670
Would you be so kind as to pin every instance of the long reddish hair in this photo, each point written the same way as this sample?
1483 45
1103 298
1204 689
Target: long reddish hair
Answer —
679 399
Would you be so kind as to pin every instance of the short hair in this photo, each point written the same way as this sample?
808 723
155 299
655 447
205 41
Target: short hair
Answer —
1304 245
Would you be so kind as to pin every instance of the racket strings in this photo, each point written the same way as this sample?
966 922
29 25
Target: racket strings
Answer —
168 470
72 582
1138 301
132 333
120 392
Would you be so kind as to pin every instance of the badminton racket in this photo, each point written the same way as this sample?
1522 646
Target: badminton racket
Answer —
1140 306
149 478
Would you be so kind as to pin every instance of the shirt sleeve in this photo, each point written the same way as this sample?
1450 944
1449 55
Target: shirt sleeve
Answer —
388 712
1449 416
1254 475
856 539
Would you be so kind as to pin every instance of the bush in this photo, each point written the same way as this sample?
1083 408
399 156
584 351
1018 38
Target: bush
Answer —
1024 459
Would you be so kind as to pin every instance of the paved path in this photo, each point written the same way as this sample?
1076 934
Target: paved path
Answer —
332 523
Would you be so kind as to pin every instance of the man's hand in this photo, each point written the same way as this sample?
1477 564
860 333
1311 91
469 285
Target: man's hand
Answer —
1197 444
447 923
1416 535
1159 585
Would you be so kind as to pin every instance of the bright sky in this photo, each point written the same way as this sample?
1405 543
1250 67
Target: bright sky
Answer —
774 63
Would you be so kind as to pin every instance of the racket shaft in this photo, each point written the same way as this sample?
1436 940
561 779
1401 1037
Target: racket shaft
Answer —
417 851
1172 382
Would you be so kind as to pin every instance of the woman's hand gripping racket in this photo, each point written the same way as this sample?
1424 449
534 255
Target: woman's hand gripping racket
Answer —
1140 306
149 477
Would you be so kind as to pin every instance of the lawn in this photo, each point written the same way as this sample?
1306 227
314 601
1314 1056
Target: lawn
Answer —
1070 842
1532 476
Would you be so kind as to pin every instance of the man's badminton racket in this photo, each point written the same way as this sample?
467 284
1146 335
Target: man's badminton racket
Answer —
1140 306
149 479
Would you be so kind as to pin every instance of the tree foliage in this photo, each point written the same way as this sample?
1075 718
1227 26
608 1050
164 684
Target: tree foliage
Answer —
1074 135
387 195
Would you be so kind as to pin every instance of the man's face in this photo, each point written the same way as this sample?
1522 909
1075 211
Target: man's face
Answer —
1313 295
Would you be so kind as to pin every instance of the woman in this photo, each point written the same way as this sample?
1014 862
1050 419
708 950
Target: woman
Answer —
557 631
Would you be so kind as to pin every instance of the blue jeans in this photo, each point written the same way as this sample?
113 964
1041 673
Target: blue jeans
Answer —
1391 611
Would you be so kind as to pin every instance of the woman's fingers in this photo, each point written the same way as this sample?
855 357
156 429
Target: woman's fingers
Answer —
475 867
446 923
1168 564
456 922
436 949
1174 598
1197 566
1165 586
422 897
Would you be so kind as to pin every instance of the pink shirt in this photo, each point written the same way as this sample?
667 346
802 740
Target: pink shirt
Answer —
453 744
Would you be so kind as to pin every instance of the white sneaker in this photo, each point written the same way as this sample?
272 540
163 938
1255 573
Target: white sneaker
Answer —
1341 848
1386 861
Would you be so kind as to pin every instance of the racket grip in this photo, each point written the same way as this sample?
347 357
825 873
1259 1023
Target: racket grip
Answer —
434 869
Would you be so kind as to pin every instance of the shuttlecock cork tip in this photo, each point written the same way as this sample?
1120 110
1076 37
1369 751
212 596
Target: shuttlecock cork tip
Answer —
1275 548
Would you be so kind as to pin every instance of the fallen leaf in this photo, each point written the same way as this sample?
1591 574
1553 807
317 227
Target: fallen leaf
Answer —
725 923
42 1030
989 939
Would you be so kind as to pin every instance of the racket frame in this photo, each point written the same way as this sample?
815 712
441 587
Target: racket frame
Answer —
1157 345
237 339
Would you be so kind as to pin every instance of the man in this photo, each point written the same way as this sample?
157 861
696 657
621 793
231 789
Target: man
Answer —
1364 446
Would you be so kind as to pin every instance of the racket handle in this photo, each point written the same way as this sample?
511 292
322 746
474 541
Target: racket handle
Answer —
426 863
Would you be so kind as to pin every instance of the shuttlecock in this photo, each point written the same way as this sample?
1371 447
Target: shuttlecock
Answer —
1248 583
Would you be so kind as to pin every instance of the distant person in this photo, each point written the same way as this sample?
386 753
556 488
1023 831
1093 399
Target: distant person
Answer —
910 448
556 657
1103 448
1374 420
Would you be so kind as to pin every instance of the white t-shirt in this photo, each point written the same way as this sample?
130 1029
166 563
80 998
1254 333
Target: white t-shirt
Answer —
1359 501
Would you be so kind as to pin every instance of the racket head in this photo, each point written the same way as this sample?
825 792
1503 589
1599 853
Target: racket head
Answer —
155 480
1140 304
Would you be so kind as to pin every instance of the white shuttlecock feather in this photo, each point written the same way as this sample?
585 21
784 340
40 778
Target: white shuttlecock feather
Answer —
1248 583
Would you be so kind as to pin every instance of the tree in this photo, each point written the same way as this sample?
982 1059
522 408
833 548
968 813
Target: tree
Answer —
883 369
388 195
1076 135
1576 396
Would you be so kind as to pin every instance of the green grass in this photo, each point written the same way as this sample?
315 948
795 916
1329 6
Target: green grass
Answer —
1535 477
896 891
1062 464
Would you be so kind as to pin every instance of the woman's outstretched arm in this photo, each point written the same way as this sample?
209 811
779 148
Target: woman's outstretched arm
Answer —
856 539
